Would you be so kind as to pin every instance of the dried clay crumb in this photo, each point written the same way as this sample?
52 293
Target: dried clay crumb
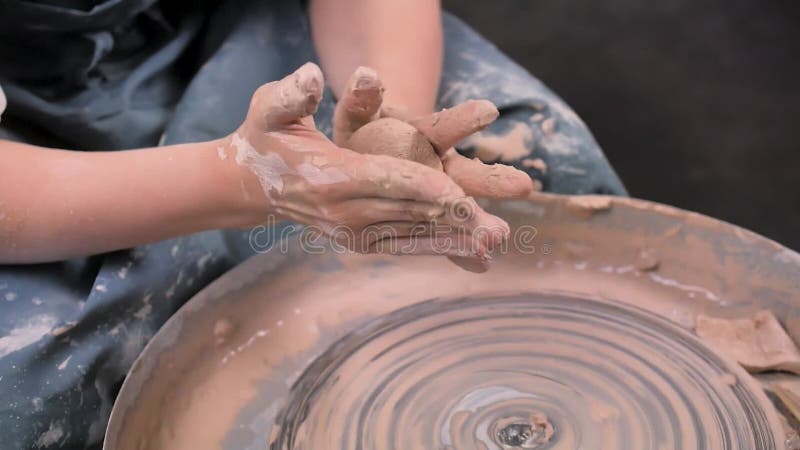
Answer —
223 329
647 260
537 164
585 206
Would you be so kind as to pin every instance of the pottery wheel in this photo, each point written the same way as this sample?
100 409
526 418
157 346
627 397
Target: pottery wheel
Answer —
528 372
582 338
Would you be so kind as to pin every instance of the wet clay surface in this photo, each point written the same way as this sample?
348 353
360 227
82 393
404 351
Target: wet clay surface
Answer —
519 372
576 340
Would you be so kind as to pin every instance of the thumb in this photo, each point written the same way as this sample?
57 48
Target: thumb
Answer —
281 102
359 105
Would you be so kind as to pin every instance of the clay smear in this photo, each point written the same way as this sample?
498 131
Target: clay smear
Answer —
647 259
268 167
515 144
585 206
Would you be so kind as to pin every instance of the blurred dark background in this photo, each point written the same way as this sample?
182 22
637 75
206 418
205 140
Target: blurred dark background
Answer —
696 103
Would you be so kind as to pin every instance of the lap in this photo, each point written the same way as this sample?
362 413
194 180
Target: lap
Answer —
534 123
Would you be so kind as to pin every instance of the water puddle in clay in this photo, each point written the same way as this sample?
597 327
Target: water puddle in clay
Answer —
530 372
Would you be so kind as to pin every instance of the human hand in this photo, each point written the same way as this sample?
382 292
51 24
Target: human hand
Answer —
370 203
362 123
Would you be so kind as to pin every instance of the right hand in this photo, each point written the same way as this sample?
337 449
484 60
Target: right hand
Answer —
361 107
369 203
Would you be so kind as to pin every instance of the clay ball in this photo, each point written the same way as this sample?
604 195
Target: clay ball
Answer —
393 137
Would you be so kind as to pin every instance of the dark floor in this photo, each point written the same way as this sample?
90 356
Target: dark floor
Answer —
696 102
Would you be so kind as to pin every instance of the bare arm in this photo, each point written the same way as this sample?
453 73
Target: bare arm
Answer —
401 40
56 204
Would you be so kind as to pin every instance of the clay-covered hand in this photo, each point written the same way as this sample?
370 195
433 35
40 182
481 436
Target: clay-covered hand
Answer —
363 124
370 203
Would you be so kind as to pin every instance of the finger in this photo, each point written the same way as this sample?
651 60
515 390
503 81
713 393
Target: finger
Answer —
445 245
389 177
378 210
402 238
391 231
447 127
279 103
409 238
375 214
361 240
487 180
360 104
466 217
399 179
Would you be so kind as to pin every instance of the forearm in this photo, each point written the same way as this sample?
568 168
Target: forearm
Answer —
56 204
401 40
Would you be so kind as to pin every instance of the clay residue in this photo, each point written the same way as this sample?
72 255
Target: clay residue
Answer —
585 206
647 259
758 343
515 144
24 334
268 168
223 329
319 174
537 164
549 126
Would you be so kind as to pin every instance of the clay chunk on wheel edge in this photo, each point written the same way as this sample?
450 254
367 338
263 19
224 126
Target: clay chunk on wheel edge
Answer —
758 343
